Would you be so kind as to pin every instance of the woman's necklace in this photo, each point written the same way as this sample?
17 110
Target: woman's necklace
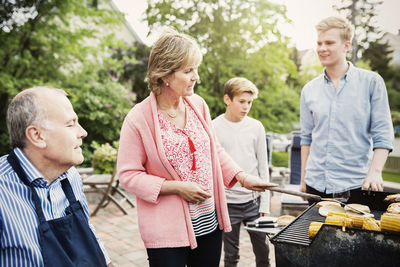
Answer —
172 116
172 113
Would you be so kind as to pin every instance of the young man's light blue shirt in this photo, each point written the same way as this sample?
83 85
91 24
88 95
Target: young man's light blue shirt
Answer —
342 127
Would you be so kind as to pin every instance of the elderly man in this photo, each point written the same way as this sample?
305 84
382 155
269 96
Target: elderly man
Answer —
43 211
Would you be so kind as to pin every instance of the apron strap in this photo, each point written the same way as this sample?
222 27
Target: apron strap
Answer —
67 188
13 160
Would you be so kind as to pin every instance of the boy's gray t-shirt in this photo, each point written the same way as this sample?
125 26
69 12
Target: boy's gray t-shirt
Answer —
245 142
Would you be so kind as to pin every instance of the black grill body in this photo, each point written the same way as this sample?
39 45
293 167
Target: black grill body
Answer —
332 246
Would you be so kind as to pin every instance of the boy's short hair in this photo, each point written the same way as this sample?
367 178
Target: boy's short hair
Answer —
239 85
345 27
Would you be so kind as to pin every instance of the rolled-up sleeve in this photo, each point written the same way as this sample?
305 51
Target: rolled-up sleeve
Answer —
381 123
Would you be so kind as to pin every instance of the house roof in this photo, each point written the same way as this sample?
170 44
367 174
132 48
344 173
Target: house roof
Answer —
128 26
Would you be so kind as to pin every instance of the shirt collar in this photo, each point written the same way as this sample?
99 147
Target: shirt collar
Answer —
346 76
32 173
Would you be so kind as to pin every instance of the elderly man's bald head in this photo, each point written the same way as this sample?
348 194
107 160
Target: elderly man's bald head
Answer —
27 108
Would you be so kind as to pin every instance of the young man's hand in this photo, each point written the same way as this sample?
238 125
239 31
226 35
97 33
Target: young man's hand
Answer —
373 182
302 188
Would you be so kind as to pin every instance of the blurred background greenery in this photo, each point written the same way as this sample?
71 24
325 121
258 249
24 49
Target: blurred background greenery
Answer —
77 45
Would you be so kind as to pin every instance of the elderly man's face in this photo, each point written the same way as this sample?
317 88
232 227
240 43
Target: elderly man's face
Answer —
63 134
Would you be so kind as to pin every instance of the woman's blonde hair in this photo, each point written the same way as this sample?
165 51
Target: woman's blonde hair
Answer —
172 51
345 27
239 85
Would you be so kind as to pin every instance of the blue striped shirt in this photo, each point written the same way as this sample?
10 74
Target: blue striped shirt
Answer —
19 240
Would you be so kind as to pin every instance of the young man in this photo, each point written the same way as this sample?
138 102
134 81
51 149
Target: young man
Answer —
43 211
345 120
243 138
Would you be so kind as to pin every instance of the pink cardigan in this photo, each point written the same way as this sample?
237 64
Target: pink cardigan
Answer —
142 166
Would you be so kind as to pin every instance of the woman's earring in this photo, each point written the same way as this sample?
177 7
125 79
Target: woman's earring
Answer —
167 84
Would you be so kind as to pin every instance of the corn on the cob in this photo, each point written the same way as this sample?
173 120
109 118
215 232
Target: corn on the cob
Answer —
390 222
314 228
348 222
358 220
335 220
335 213
371 224
339 220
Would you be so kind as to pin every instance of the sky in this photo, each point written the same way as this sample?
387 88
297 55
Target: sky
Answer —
305 14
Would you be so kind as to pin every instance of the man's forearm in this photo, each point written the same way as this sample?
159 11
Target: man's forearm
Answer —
378 160
374 180
305 152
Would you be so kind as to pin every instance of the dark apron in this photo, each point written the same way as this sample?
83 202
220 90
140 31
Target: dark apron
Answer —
67 241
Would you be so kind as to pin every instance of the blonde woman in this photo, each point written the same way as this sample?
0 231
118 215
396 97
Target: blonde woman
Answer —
170 160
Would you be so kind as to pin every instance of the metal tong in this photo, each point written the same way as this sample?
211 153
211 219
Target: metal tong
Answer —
312 196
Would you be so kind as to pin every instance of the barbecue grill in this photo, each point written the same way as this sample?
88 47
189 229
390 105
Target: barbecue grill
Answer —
334 247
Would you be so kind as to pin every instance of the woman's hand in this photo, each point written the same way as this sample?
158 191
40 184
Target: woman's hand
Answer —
252 182
189 191
193 192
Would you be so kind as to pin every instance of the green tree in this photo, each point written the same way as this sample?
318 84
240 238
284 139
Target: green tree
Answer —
378 56
310 68
56 48
16 13
362 14
393 86
238 38
134 61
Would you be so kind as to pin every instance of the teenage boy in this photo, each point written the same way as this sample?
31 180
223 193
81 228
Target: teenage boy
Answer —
347 131
243 138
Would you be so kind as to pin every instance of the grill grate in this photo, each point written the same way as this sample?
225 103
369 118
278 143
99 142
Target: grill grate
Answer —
297 231
333 247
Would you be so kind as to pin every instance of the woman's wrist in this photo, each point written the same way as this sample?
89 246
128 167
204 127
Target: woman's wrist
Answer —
241 178
171 188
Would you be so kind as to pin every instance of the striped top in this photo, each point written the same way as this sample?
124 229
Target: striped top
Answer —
19 240
188 151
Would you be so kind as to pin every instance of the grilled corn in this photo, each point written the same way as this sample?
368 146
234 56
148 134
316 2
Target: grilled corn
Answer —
335 213
357 220
314 228
390 222
371 224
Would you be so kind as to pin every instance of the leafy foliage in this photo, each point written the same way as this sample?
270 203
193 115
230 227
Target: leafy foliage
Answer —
378 56
66 45
101 108
104 157
16 13
238 38
135 60
280 159
362 14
